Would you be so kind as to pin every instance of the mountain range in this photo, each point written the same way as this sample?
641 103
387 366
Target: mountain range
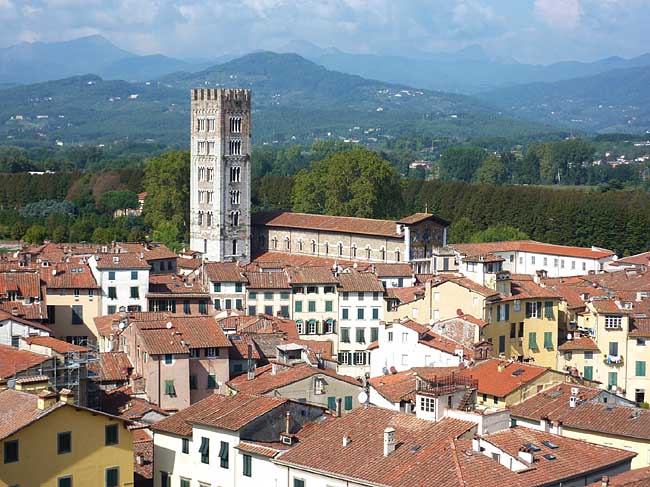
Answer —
294 100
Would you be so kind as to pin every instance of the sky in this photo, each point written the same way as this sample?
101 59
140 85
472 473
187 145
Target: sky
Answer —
531 31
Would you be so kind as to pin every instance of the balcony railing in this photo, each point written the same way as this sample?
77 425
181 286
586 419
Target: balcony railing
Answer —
443 385
613 360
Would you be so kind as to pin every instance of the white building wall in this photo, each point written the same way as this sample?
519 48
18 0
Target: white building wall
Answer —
10 328
404 352
519 262
380 401
122 284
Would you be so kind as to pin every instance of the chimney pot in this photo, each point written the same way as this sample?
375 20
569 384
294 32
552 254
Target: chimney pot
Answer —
346 440
389 441
338 407
287 423
605 481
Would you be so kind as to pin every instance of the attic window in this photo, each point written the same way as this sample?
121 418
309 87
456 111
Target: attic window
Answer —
518 372
550 445
549 456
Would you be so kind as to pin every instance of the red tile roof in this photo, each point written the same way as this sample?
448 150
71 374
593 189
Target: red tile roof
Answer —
58 346
311 275
354 281
638 259
186 332
405 295
225 412
523 287
239 350
401 386
268 450
265 381
166 284
34 311
640 327
579 344
467 284
114 366
280 260
19 409
393 270
421 444
122 260
501 384
532 246
68 276
224 272
5 315
632 478
267 280
420 217
13 361
588 415
24 283
326 223
143 472
606 306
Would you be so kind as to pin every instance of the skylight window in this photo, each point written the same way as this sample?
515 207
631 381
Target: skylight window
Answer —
548 456
532 447
550 445
518 372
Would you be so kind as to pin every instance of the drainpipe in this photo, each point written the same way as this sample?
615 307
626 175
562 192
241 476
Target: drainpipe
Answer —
159 396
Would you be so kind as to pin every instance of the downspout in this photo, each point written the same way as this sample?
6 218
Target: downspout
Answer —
159 397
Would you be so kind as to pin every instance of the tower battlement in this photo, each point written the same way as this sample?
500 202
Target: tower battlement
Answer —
221 94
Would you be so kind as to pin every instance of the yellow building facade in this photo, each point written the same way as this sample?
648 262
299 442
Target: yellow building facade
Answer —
64 446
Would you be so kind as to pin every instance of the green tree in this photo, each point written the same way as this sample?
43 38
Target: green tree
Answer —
491 171
35 234
117 200
462 230
352 183
167 233
498 233
167 183
461 163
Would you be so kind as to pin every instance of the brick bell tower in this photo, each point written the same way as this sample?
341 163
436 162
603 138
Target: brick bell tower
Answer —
220 184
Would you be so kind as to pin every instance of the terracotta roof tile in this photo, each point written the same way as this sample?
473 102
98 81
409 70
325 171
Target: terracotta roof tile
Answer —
354 281
13 361
19 409
239 350
58 346
5 315
578 344
224 272
363 460
405 295
532 246
501 384
165 284
122 260
226 412
632 478
393 270
33 311
339 224
420 217
588 415
607 306
640 327
25 283
280 260
311 275
267 280
268 450
68 276
401 386
114 366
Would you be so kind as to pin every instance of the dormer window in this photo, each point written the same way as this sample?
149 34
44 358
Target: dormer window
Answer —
613 322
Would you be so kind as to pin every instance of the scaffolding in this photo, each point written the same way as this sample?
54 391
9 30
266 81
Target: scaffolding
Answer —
76 371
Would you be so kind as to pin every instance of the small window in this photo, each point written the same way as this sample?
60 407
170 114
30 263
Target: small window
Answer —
170 389
112 293
135 292
212 381
168 359
64 443
204 450
212 352
348 403
298 483
111 275
223 454
64 481
134 275
111 434
238 287
11 451
248 464
113 477
186 445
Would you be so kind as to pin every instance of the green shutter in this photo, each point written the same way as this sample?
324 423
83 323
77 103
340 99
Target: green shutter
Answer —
588 372
311 306
374 334
328 306
612 379
640 368
507 311
170 390
331 403
348 403
192 382
548 309
548 340
532 341
248 470
212 381
498 312
298 306
112 477
345 335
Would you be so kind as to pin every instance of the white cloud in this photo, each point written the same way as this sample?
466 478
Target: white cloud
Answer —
559 14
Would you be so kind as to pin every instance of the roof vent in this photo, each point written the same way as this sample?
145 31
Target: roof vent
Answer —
346 440
116 259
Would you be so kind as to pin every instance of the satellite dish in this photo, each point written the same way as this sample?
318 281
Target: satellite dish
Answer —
169 325
362 397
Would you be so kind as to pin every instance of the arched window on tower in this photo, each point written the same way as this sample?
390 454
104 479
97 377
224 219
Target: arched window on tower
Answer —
199 219
209 219
397 255
340 248
327 248
368 252
274 243
234 218
234 247
313 246
287 243
382 253
353 251
300 245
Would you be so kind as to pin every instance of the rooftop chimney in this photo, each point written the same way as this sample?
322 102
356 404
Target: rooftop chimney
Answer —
338 407
346 440
526 455
476 444
46 399
501 366
67 396
604 481
287 423
389 441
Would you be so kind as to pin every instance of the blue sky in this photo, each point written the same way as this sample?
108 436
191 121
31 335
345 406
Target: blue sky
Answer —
538 31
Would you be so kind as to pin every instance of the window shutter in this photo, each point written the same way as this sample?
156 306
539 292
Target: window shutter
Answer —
498 312
507 305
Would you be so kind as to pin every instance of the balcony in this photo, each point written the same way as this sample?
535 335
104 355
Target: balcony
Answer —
444 385
613 360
